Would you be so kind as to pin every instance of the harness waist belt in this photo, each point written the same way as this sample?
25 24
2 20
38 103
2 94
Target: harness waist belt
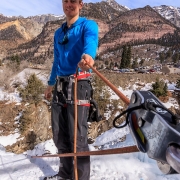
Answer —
70 79
80 102
82 75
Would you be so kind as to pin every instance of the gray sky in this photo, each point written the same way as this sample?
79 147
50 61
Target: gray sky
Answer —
37 7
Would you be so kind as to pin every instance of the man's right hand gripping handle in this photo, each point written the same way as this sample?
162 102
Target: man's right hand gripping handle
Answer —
48 92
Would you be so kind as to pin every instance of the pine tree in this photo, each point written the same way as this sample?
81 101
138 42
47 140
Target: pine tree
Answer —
178 93
15 63
111 65
159 88
124 58
178 83
33 90
176 57
161 57
135 63
106 63
169 54
141 62
128 59
165 90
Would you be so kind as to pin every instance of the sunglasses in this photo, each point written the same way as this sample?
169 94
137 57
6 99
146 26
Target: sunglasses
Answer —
65 40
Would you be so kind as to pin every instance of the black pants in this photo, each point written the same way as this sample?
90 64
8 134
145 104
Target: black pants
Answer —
63 129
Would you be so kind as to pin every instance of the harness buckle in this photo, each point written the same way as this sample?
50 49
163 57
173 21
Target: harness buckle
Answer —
83 102
79 102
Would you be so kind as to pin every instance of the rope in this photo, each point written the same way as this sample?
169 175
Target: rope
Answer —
121 95
75 125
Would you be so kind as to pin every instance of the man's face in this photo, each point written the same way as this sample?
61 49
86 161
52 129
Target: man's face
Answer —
72 7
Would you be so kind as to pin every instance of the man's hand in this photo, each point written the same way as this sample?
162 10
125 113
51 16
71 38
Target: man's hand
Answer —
48 92
84 60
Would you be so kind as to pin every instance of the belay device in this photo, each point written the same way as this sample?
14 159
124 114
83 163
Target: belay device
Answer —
155 129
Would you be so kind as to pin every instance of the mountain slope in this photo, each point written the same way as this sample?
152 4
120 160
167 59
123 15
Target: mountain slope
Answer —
18 31
41 47
117 6
101 11
44 18
4 19
136 25
169 12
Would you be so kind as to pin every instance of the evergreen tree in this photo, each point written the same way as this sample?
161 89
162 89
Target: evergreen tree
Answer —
33 90
176 57
161 57
124 58
165 90
128 59
135 63
169 53
106 63
178 83
178 93
159 88
141 62
15 62
116 64
111 65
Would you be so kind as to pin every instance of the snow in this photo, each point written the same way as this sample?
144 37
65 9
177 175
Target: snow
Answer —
10 97
42 75
167 11
111 135
130 166
9 140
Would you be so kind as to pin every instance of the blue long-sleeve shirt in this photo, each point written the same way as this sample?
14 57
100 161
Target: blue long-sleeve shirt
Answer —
82 38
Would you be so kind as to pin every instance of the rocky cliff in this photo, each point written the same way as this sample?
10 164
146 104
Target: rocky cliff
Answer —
136 25
14 33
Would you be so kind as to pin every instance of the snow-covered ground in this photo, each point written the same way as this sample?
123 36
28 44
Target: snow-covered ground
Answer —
131 166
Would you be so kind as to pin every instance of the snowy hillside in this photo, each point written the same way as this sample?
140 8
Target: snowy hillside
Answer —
169 12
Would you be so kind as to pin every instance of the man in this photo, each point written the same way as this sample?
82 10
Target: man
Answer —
75 43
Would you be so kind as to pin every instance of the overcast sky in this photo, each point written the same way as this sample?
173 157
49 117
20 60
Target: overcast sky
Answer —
36 7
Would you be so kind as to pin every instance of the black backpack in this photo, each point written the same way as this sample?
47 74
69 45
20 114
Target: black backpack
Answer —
94 112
